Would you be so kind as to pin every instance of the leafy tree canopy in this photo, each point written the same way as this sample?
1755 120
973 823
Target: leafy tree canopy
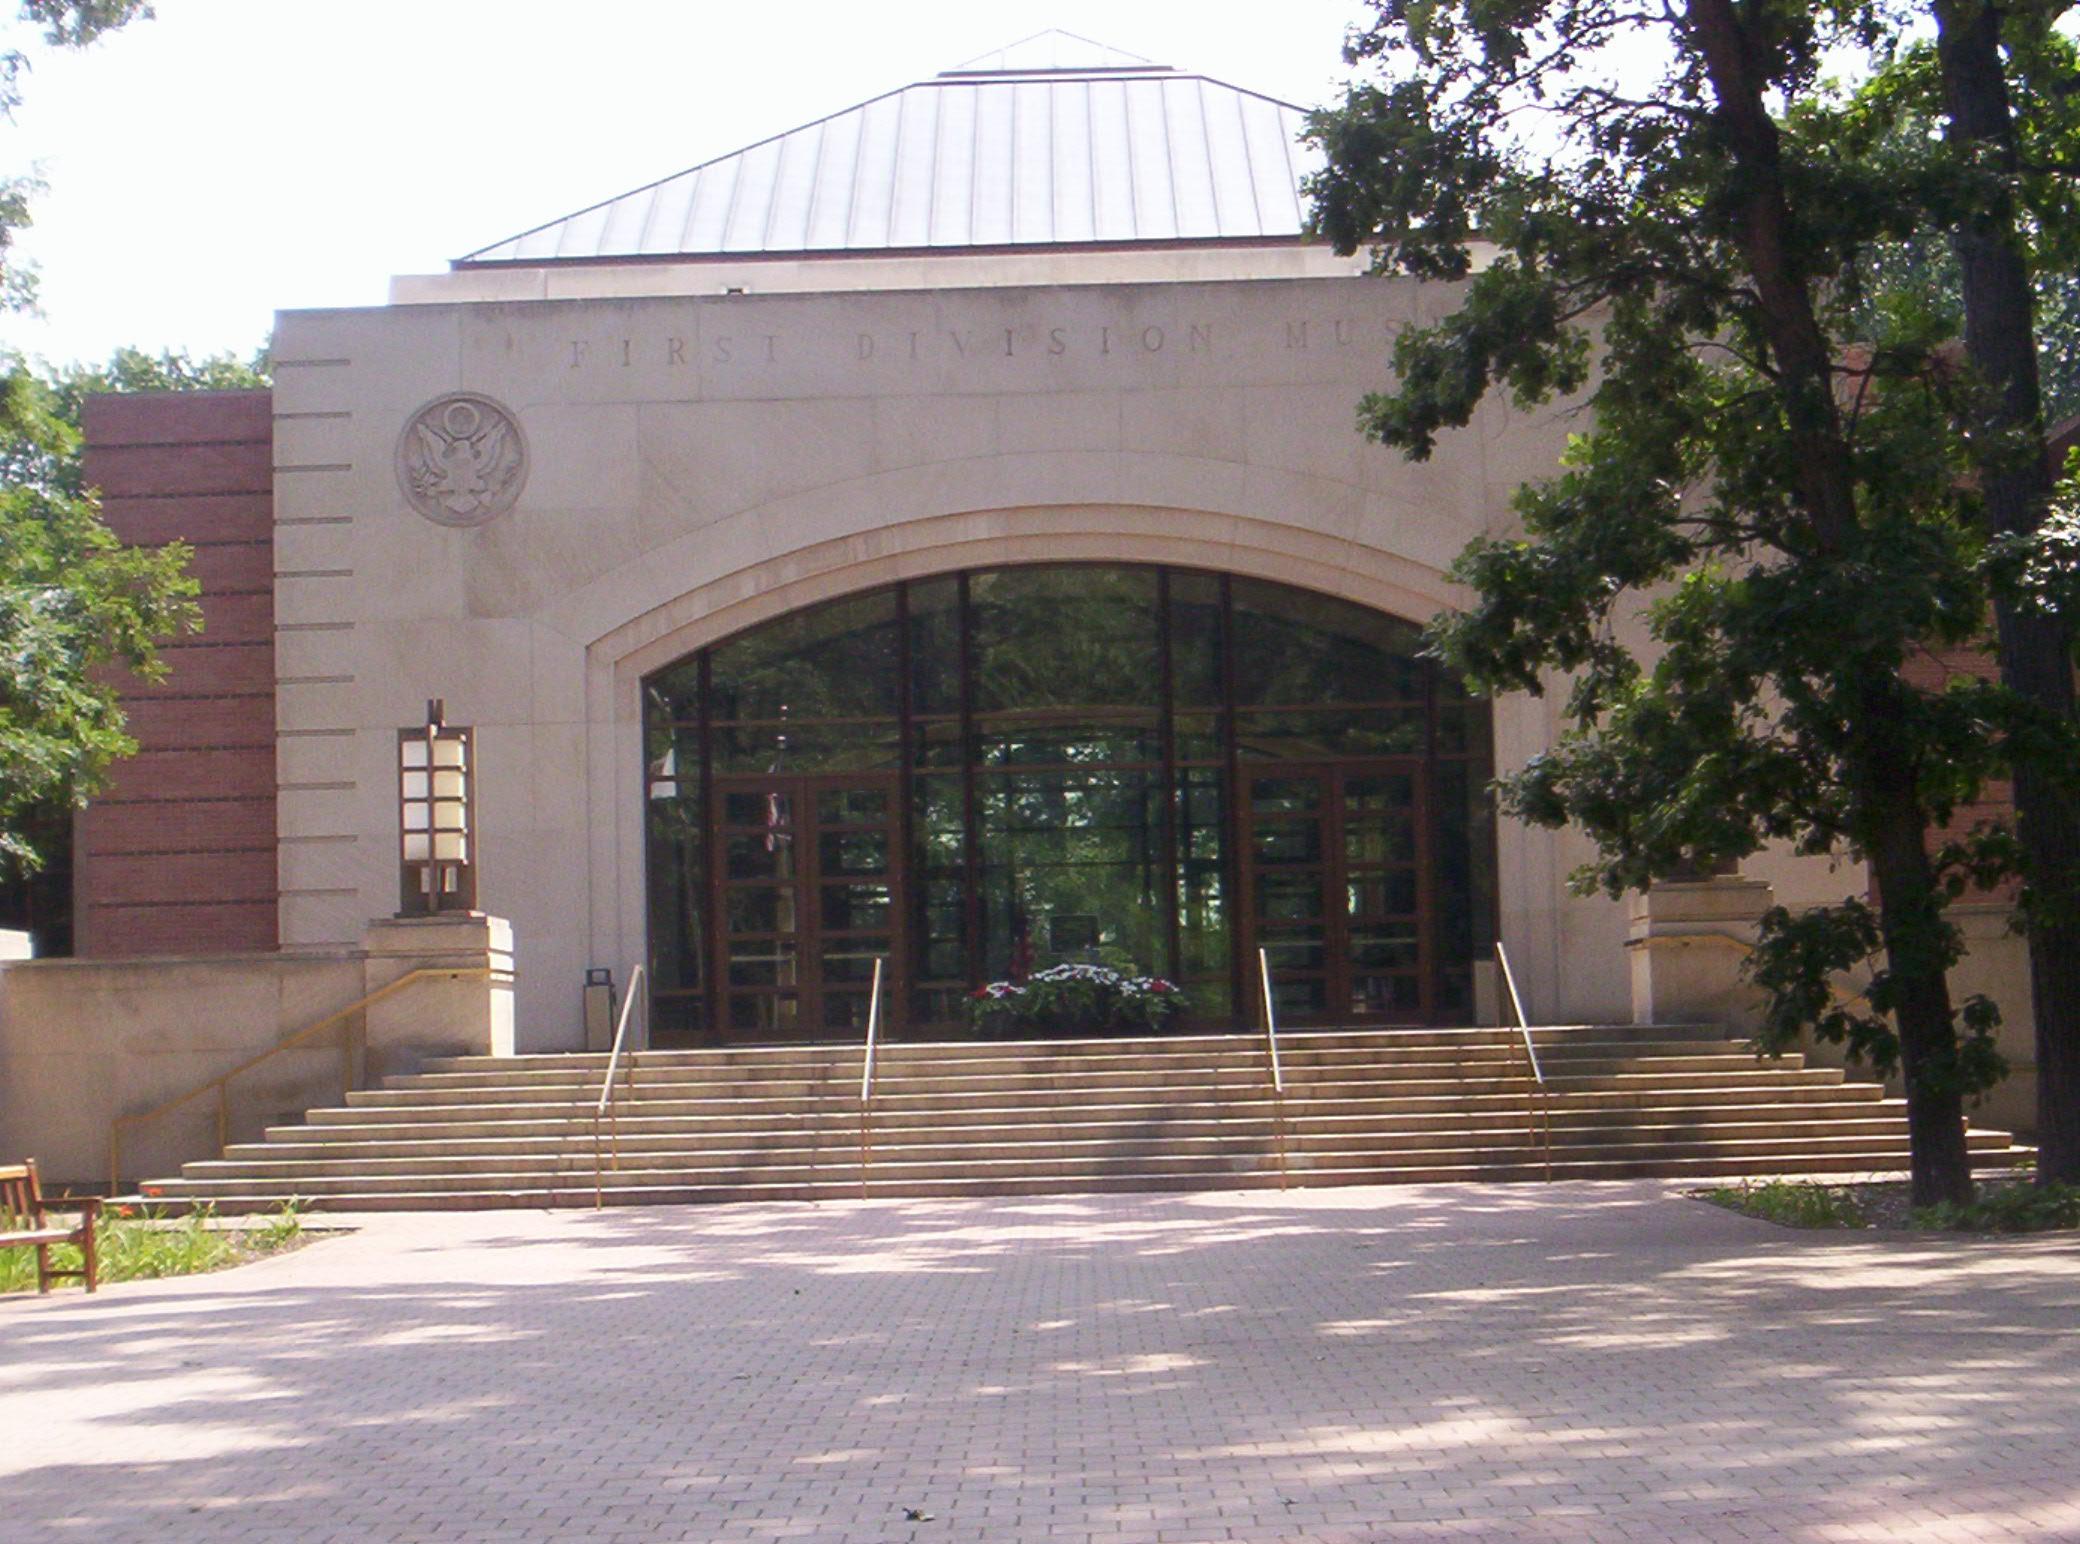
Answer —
1671 215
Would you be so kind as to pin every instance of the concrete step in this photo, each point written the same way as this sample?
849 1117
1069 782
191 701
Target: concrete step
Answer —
976 1118
1022 1071
920 1093
630 1189
896 1052
577 1117
414 1141
789 1148
952 1161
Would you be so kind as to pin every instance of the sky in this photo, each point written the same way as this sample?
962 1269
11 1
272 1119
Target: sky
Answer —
233 157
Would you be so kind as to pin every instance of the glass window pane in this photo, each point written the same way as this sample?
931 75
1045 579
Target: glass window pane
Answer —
1287 841
797 747
1388 893
935 646
1321 735
852 806
1195 639
849 907
1284 795
836 660
1084 846
1297 647
1289 897
1064 637
762 962
760 908
852 852
675 894
758 857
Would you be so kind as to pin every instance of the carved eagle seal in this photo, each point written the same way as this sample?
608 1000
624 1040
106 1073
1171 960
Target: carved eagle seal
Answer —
461 460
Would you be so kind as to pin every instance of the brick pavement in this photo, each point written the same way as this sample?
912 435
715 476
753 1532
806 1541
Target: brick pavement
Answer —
1597 1362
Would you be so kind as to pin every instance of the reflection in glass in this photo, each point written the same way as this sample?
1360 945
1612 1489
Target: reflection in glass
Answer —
976 775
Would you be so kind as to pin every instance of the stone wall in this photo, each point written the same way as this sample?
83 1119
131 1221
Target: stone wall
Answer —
84 1041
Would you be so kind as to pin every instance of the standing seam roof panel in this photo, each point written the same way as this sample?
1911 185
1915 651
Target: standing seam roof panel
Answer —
910 196
1191 159
708 214
994 169
953 170
874 179
755 190
669 207
1074 195
837 188
1032 154
1112 174
786 223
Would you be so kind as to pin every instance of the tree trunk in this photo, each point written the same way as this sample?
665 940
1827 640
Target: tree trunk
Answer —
1891 819
2036 652
1910 918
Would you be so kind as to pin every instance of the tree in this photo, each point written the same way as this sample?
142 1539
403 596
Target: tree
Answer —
1666 209
2011 98
74 604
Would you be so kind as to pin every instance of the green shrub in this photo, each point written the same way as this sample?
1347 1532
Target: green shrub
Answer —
2008 1209
141 1244
1791 1203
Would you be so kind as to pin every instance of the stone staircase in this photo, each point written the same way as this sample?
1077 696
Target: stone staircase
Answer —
1170 1113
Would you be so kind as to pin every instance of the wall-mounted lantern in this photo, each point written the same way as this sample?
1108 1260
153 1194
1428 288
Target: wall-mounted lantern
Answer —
436 801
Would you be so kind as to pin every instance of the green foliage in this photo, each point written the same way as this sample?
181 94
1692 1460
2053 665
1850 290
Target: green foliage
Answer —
1073 1000
1677 220
2008 1209
1791 1203
77 608
143 1245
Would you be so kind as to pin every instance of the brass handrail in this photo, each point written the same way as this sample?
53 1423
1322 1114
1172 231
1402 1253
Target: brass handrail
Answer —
866 1081
1538 1110
607 1109
222 1083
1278 1076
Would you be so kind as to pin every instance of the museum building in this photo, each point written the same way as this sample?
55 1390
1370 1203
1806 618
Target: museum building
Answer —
935 535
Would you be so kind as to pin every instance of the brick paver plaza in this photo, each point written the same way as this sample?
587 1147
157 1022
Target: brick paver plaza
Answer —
1579 1361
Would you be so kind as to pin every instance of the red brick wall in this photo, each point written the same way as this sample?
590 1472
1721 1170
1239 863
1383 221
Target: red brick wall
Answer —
178 855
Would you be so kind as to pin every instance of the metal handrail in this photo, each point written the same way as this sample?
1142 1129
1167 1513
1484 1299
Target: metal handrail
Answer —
1278 1076
222 1083
866 1080
607 1110
1538 1114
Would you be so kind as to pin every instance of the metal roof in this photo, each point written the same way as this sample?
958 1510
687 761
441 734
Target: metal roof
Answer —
1054 140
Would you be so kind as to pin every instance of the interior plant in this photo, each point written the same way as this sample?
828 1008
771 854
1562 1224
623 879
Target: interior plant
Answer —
1074 1000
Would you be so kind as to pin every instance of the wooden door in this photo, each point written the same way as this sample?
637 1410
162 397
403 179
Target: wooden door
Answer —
1335 872
808 895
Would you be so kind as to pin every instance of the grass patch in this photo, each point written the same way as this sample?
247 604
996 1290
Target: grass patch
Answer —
141 1244
1791 1203
2008 1209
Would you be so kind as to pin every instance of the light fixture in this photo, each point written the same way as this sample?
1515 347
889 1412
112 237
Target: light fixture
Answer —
436 801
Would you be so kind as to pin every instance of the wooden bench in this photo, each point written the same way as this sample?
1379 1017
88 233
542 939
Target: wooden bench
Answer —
21 1215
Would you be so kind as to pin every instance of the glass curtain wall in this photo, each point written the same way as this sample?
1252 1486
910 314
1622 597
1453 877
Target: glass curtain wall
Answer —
981 774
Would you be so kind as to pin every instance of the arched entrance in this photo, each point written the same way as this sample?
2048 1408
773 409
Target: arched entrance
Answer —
985 772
